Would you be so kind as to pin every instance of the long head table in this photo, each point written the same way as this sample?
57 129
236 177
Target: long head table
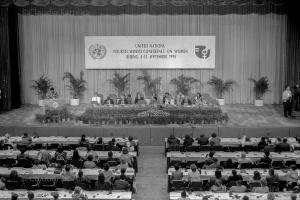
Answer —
223 156
49 173
247 174
235 142
34 154
67 195
230 196
67 140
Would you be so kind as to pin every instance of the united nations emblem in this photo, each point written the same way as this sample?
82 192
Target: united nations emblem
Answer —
97 51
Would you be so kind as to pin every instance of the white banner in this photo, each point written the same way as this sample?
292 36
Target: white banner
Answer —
138 52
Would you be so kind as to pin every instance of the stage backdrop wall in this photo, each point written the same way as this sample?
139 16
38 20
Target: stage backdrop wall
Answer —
249 45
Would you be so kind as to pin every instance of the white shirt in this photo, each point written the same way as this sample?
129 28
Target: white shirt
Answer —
97 99
286 95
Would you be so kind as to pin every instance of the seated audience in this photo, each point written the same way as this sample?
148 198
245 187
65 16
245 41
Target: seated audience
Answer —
83 141
100 183
30 195
234 177
292 175
203 140
228 164
91 152
263 189
218 187
239 188
177 174
270 147
2 184
121 183
55 195
256 178
272 177
283 146
210 159
14 176
76 159
108 174
89 164
126 156
188 141
123 164
60 156
278 140
194 174
245 198
99 140
26 140
112 145
172 140
81 181
78 195
138 98
183 196
266 159
44 156
214 140
67 174
218 176
244 160
123 172
111 158
262 143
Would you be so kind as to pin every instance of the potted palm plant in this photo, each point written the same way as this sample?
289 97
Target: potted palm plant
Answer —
183 84
120 83
76 86
41 86
151 86
261 86
220 87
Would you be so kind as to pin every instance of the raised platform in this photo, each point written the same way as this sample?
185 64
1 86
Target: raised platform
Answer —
243 120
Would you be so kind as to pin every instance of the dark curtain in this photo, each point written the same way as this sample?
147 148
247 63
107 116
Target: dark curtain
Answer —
293 44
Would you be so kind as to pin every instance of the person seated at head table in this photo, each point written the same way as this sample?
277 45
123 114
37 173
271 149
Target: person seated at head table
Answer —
262 143
177 174
67 174
179 98
194 174
96 99
186 101
283 146
122 100
83 141
188 141
234 177
239 188
129 99
198 99
263 189
108 174
172 140
270 147
266 159
26 140
109 101
78 195
52 94
89 164
2 184
167 98
138 98
272 177
214 140
60 156
202 140
218 187
292 175
183 196
155 97
82 181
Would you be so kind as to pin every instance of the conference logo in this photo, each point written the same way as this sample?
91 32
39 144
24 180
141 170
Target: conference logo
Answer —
97 51
202 52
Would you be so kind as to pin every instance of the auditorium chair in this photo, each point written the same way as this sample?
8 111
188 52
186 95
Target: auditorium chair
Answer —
174 148
247 165
277 164
112 163
205 148
262 165
288 163
100 147
253 185
177 185
69 185
8 162
274 187
195 186
31 184
25 163
191 148
12 185
37 146
48 184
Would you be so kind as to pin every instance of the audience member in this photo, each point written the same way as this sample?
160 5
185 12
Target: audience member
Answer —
292 175
228 164
203 140
89 164
83 141
245 198
14 176
188 141
283 146
270 147
214 140
44 155
177 174
111 158
194 174
99 140
126 156
112 145
55 195
78 195
67 174
60 156
244 160
172 140
262 143
183 196
293 196
272 177
263 189
2 184
121 183
210 159
218 187
218 176
26 140
107 173
100 183
239 188
76 159
256 177
30 195
82 181
91 152
14 196
123 164
234 177
266 159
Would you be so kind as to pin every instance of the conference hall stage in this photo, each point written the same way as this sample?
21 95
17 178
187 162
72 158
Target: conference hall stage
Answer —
244 119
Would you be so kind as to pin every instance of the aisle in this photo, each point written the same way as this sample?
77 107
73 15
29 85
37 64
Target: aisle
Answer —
152 179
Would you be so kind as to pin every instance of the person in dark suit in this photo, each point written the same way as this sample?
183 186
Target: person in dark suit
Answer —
202 140
235 177
188 141
284 146
172 140
138 98
297 97
109 101
272 177
262 143
266 159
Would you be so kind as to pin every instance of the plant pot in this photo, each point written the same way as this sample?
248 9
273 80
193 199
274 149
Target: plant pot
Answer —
74 102
41 102
259 102
221 102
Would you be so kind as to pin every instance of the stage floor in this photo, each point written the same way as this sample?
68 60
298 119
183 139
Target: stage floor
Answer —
240 115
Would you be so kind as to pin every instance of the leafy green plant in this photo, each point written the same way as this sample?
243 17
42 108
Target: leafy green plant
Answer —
76 85
183 83
220 86
151 85
261 86
42 86
120 82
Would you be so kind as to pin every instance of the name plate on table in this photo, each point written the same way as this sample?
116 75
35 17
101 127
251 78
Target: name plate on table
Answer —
54 103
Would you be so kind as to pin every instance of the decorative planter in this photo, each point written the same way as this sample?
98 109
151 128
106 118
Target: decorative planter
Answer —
41 102
259 102
74 102
221 102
